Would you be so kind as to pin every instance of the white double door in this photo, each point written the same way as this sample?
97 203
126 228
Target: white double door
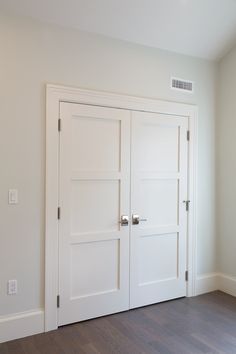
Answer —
117 165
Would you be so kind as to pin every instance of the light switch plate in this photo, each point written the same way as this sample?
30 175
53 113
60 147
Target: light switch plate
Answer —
12 287
13 196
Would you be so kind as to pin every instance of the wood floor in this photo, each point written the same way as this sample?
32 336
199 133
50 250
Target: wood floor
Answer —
204 324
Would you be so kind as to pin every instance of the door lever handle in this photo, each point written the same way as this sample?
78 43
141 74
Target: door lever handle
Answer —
136 219
124 220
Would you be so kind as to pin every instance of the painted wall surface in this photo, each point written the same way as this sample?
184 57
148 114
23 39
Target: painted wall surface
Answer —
226 164
33 54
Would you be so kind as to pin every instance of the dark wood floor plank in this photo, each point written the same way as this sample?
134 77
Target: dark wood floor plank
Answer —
202 325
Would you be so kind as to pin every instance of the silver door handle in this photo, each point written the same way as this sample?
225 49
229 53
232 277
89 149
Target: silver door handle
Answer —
124 220
136 219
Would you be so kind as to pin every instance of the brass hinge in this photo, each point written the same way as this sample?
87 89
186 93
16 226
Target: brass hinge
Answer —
188 135
59 124
58 301
58 213
187 202
186 275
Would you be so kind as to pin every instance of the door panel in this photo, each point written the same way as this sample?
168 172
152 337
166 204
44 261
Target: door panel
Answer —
87 256
96 130
154 264
94 193
158 140
158 189
159 201
86 200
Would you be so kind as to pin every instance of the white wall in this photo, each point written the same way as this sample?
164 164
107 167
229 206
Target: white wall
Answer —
33 54
226 165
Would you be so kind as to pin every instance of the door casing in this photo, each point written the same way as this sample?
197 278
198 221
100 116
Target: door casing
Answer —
56 94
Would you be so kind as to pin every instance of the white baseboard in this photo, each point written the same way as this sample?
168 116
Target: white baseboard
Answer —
227 284
206 283
216 281
25 324
21 325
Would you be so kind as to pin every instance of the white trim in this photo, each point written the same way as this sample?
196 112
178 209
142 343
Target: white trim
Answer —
206 283
21 324
227 284
57 94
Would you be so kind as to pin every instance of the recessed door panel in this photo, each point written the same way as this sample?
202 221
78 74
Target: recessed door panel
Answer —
101 262
159 201
154 264
95 142
95 205
158 141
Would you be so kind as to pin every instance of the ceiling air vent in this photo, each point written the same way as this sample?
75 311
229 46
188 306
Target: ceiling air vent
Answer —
181 85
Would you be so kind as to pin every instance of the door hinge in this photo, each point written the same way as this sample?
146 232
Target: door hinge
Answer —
58 301
188 135
59 124
186 275
58 213
187 202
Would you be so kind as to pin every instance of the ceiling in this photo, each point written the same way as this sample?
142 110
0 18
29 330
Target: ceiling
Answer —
201 28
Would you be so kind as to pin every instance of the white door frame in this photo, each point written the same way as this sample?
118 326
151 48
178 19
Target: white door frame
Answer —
57 94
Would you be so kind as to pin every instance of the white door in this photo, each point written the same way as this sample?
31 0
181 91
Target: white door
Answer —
158 192
94 193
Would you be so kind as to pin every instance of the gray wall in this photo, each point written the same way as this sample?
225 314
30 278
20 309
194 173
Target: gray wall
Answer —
226 165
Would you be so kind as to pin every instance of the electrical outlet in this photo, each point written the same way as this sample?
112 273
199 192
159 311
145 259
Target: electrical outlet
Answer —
12 287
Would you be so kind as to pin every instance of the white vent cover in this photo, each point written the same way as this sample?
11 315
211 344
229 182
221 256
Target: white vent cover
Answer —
181 85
